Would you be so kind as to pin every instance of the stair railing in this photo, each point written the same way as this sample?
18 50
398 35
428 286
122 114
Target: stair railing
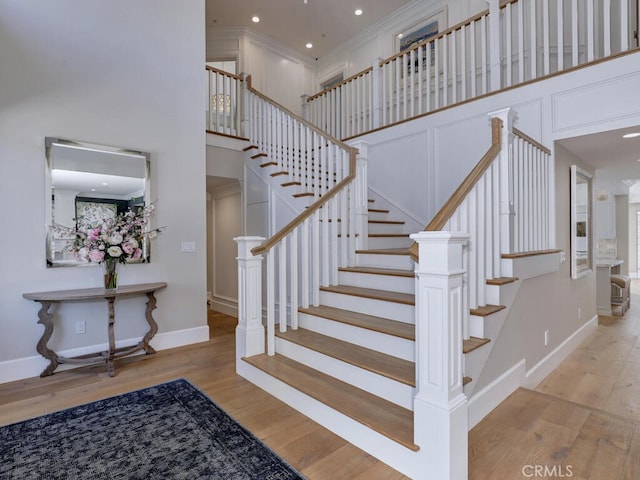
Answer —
224 96
504 205
306 253
512 42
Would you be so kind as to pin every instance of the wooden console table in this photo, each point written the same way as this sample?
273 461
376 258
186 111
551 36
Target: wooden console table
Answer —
47 299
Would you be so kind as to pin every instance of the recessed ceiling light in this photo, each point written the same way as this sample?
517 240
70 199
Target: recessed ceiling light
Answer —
255 19
400 35
309 45
358 12
631 135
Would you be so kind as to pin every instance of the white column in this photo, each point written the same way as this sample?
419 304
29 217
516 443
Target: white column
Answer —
494 45
361 189
440 405
250 331
376 94
507 212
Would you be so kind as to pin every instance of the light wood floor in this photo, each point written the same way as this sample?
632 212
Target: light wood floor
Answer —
583 421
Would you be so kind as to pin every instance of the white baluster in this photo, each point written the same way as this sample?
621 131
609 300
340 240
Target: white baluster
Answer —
294 279
282 284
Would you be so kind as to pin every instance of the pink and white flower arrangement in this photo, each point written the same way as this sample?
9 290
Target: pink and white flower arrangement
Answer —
120 238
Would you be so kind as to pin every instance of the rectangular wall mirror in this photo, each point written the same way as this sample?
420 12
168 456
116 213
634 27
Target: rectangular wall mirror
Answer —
88 183
581 225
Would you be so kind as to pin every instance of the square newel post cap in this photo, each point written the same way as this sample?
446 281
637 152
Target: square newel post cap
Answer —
440 252
246 244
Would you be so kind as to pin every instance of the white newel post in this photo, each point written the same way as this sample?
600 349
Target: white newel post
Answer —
505 165
250 339
440 405
305 107
494 45
376 87
361 188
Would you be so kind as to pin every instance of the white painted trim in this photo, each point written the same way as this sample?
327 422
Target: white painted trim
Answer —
26 367
549 363
481 404
228 306
222 141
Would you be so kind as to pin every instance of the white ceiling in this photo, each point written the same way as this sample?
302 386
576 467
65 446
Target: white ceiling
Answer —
293 23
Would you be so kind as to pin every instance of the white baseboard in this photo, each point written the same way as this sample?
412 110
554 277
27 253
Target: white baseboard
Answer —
482 402
549 363
32 366
225 305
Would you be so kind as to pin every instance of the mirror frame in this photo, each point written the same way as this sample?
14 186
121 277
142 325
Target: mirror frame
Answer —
581 268
89 147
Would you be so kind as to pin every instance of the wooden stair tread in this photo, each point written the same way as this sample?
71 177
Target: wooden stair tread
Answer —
384 295
465 380
268 164
387 222
290 184
385 251
394 272
501 280
473 343
378 210
386 418
250 147
362 320
258 155
388 235
532 253
486 310
303 194
388 366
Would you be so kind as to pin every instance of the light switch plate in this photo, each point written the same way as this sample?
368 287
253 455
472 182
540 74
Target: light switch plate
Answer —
188 247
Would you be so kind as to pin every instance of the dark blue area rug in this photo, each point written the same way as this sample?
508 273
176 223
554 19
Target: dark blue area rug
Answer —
170 431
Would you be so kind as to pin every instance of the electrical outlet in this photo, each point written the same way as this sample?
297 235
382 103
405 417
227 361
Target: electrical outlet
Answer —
80 327
188 247
546 338
579 313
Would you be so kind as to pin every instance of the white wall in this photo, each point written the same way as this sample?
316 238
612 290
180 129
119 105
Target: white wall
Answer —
117 73
276 71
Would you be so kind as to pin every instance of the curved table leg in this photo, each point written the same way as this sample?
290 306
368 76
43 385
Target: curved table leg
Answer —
112 341
46 319
153 326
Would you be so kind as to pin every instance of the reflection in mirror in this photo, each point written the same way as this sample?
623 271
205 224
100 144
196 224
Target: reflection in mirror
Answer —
90 183
581 249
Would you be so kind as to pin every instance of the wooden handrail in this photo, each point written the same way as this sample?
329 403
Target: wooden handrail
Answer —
449 208
222 72
298 118
315 206
527 138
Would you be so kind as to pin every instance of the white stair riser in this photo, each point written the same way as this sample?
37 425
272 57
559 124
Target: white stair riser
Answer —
369 306
402 262
402 459
380 342
378 385
389 242
386 227
473 364
499 294
379 282
487 327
